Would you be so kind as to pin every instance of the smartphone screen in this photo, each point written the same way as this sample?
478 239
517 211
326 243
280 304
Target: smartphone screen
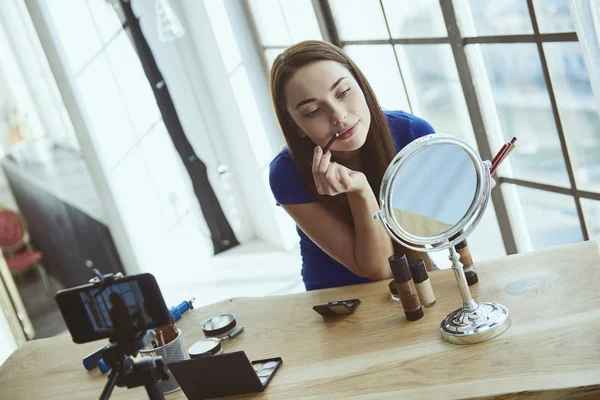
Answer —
123 307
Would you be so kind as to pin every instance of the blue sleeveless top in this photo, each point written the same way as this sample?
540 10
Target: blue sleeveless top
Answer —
319 270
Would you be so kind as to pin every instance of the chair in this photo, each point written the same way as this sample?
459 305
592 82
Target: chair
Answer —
14 243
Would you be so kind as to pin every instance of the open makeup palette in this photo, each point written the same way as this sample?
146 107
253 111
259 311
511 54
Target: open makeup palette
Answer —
223 375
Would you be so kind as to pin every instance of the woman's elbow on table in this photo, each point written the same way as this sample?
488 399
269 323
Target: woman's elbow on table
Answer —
374 274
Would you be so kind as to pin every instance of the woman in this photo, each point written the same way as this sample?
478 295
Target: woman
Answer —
318 93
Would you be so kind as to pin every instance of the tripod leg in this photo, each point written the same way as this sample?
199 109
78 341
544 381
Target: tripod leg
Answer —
110 385
153 392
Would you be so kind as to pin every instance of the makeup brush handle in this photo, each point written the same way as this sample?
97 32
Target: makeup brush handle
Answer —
493 169
499 154
234 333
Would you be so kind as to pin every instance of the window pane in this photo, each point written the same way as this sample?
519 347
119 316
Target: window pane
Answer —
578 112
16 101
76 31
270 22
167 175
486 240
133 84
359 19
378 64
246 101
301 20
488 18
106 18
434 88
271 54
591 213
409 18
139 207
550 219
553 16
103 105
512 73
221 24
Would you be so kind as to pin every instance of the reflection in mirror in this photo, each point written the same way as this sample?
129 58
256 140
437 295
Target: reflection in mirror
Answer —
433 191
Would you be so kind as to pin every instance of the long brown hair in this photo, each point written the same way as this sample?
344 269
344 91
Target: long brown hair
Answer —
379 148
379 144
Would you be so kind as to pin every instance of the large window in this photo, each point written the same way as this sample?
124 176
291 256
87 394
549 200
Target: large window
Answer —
146 175
484 71
29 79
281 23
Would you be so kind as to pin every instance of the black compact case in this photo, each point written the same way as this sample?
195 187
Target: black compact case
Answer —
223 375
341 307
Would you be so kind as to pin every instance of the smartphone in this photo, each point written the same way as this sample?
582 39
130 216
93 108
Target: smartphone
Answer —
114 308
341 307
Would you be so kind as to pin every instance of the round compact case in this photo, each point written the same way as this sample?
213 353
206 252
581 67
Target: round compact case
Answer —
219 325
206 347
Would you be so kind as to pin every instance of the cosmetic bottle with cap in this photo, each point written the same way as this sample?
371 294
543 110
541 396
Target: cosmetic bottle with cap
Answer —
393 290
465 259
422 282
406 287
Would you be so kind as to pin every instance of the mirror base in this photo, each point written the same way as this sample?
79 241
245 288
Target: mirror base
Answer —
467 327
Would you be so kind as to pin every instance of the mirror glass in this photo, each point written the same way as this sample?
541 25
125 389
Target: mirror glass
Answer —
434 189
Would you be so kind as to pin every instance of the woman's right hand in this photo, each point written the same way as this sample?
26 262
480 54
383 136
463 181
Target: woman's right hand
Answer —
332 178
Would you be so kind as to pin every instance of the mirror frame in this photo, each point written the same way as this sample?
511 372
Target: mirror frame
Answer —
467 223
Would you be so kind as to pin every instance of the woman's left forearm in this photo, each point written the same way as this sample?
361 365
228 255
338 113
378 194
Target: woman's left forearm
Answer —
372 244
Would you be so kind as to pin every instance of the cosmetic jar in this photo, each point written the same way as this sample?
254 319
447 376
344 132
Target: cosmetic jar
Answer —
206 348
219 325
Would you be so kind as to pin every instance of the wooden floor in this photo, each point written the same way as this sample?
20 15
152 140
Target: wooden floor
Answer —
43 311
253 269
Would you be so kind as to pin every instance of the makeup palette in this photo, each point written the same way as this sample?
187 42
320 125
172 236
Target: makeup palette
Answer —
265 369
224 375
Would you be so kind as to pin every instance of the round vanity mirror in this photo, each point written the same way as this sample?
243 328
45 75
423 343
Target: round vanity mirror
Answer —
434 188
432 196
443 184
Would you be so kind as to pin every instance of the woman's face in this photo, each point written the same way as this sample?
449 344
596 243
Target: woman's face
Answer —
323 98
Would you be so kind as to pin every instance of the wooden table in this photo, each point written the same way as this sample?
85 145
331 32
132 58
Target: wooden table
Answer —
552 349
